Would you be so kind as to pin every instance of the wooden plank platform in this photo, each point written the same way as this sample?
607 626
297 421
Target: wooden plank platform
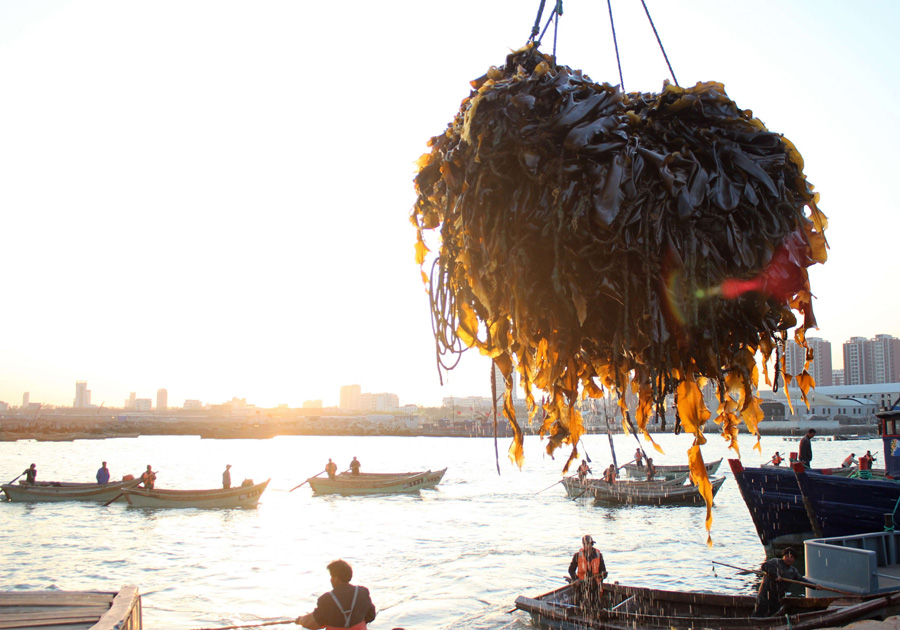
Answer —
71 610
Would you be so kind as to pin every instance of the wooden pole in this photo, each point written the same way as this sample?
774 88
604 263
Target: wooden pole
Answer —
815 586
305 482
252 625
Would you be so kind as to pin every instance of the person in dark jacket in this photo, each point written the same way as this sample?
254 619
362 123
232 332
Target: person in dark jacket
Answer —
587 572
345 606
773 588
103 475
226 477
805 455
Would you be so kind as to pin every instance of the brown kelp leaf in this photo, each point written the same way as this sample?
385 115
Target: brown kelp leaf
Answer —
616 243
701 480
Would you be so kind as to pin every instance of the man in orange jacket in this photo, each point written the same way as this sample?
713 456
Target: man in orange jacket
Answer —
587 571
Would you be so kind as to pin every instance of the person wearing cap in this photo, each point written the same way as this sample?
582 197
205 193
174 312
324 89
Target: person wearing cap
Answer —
587 571
226 477
103 475
344 607
773 588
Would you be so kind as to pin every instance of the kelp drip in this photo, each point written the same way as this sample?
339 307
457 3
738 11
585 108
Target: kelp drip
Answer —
592 240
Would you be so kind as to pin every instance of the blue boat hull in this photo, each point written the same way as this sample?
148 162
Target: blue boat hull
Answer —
845 507
776 506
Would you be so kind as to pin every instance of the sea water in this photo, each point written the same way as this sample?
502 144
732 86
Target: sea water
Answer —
454 557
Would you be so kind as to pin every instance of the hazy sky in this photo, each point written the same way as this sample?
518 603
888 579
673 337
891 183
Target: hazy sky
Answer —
213 197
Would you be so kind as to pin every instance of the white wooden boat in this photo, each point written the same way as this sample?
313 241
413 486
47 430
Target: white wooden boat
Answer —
239 497
651 493
670 471
55 491
376 483
71 610
576 488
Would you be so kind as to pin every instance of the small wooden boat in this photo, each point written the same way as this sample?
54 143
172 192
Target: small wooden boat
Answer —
55 491
239 497
669 471
58 610
651 493
376 483
576 488
628 607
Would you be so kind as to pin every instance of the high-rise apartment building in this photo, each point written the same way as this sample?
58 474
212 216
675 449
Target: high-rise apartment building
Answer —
162 400
26 398
350 397
872 361
838 377
82 395
819 367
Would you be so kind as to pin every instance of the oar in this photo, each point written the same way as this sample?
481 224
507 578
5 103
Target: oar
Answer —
816 586
550 486
305 482
16 479
253 625
588 457
122 494
624 465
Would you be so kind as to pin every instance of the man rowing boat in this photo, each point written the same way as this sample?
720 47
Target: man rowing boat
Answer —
773 588
344 607
587 571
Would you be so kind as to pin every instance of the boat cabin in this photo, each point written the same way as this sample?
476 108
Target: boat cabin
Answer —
864 563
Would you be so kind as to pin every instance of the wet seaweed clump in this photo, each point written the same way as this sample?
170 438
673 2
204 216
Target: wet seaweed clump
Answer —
594 241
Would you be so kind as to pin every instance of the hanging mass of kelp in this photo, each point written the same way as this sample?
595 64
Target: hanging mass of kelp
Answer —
593 241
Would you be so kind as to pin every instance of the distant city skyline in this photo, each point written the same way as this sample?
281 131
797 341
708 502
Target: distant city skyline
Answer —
875 360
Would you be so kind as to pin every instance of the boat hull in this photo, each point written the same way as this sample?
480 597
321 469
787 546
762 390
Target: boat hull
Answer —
392 483
845 506
240 497
632 470
651 493
54 492
626 608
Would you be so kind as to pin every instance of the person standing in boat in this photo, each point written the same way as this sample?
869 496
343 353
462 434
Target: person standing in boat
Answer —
773 588
609 475
849 460
651 469
226 477
148 478
331 468
777 459
583 471
103 475
587 571
344 607
805 455
354 466
30 474
639 458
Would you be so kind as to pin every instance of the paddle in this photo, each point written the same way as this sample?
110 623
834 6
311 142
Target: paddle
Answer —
254 625
305 482
15 480
550 486
122 494
816 586
624 465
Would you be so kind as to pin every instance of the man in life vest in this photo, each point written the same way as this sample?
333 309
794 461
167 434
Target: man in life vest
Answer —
583 471
639 458
331 468
344 607
609 475
148 478
587 571
777 459
849 460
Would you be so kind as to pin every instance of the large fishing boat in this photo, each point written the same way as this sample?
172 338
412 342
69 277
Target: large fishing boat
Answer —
853 506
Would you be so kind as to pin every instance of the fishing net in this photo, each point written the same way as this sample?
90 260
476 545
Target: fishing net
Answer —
593 241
